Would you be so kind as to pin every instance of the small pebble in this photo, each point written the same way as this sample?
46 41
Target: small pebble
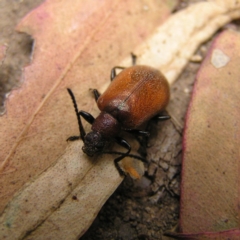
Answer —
163 165
160 177
155 198
152 169
172 172
154 187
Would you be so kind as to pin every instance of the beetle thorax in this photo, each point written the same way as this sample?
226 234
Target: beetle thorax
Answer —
106 125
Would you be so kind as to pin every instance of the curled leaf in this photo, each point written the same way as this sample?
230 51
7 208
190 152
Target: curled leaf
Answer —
173 43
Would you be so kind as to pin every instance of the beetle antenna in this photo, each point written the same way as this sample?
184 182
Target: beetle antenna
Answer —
128 155
81 128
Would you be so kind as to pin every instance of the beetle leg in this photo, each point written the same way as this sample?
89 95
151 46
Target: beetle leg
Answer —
134 59
141 137
113 72
81 128
96 94
122 142
121 172
162 117
129 155
87 116
138 132
145 134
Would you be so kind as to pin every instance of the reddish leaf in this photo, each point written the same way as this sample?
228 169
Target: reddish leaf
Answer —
233 234
210 174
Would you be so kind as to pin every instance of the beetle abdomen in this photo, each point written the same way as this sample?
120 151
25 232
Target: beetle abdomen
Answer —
135 95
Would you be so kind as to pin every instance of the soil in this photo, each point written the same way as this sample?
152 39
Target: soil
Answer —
143 209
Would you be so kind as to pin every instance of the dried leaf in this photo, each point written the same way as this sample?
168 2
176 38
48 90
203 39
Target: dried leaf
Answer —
174 42
210 174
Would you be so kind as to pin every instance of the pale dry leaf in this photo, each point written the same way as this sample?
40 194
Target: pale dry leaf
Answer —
80 208
59 186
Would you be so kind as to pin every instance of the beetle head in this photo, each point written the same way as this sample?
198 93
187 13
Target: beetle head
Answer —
93 143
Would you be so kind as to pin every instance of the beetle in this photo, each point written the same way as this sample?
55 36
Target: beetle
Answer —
134 96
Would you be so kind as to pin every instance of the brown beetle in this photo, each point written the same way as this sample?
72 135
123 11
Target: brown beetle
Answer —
135 95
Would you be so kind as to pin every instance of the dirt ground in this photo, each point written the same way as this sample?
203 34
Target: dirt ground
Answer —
143 209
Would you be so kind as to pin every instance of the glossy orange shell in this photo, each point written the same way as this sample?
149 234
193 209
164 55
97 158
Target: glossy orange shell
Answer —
135 95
